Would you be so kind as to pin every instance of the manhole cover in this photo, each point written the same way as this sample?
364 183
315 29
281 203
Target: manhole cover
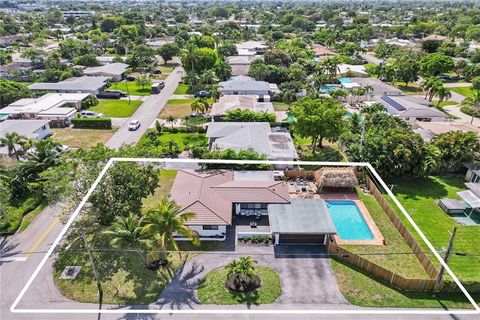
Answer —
70 272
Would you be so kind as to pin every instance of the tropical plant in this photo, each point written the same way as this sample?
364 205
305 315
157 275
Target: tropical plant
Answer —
200 105
443 94
11 140
165 221
143 81
171 119
242 272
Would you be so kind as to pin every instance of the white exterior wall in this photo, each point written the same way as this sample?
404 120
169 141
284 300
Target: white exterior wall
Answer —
42 133
209 233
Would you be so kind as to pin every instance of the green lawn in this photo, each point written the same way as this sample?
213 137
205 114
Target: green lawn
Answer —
412 88
329 151
464 91
116 108
213 291
280 106
133 88
444 103
362 290
123 275
179 108
419 197
164 186
182 89
396 255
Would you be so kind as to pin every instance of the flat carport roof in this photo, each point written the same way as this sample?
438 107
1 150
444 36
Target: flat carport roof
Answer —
301 216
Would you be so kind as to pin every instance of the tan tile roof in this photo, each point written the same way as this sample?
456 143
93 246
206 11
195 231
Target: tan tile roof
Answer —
211 194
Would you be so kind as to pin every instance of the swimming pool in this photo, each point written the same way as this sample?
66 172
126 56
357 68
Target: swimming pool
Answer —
349 221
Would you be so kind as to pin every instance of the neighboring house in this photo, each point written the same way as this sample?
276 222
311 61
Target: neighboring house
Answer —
252 135
251 48
228 103
243 85
76 14
428 130
36 129
322 52
84 84
473 172
352 69
411 109
115 70
380 88
241 64
157 43
58 108
223 200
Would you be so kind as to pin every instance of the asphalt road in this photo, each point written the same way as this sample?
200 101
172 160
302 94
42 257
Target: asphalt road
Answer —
146 113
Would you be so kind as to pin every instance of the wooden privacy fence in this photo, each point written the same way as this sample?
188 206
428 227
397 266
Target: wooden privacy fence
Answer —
422 257
386 275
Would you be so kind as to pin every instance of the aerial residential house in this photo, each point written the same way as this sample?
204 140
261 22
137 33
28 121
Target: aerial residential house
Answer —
251 48
352 70
231 102
428 130
322 52
115 70
35 129
244 85
411 109
245 203
259 136
58 108
215 195
241 63
86 84
76 14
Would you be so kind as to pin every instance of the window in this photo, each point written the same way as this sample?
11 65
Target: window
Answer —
205 227
44 128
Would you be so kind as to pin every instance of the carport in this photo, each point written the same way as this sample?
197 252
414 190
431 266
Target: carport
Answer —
301 221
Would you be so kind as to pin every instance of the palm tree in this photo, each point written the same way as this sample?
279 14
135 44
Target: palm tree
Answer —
46 155
473 104
208 77
172 120
330 65
242 272
27 143
143 81
189 55
443 94
11 140
164 222
288 96
200 105
127 232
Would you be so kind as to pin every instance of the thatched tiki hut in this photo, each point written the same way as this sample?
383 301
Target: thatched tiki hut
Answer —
335 178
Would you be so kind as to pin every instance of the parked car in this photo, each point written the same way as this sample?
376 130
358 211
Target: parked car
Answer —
157 87
122 94
130 78
109 95
202 94
156 71
134 125
199 116
91 114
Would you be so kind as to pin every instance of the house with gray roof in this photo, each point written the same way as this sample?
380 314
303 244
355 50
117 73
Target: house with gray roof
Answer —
411 108
244 85
275 145
31 129
115 70
231 102
86 84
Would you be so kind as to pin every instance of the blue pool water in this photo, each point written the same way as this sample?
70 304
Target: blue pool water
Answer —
349 221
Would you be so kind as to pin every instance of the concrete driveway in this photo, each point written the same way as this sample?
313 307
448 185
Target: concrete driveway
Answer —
307 277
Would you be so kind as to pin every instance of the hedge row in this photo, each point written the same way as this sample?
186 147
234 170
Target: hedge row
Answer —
92 123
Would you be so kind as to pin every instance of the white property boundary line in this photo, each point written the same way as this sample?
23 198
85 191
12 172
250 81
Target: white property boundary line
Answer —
13 307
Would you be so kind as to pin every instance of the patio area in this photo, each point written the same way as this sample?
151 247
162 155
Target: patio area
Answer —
251 225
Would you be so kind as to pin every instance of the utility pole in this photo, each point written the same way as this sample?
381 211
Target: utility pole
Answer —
447 255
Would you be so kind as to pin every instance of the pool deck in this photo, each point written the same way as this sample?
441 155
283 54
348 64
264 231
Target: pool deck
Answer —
377 240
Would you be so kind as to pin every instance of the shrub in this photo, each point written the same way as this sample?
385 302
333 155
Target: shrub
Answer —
92 123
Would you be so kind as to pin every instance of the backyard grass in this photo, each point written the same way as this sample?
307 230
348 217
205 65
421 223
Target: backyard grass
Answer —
81 138
329 151
182 89
213 291
362 290
166 178
179 108
280 106
124 276
116 108
412 88
419 197
396 255
464 91
133 88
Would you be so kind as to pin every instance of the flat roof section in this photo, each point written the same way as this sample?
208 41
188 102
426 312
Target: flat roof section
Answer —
301 216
